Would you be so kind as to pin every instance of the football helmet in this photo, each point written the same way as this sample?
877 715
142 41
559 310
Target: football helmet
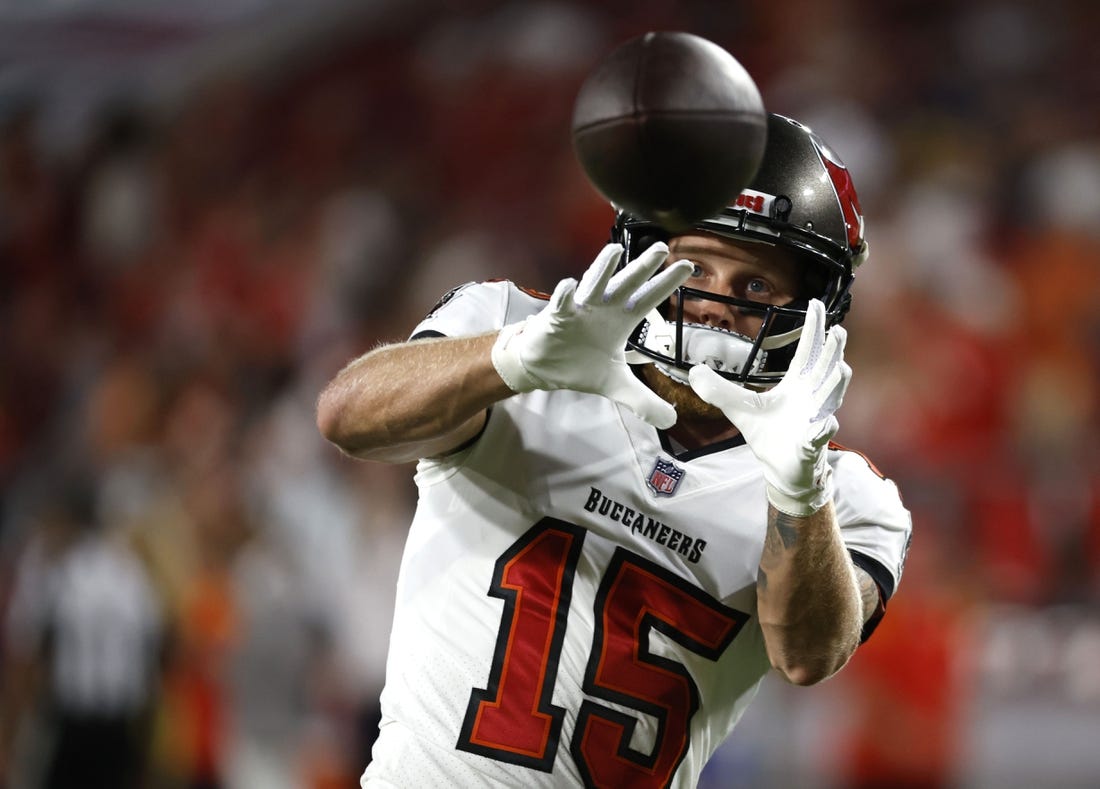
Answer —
802 199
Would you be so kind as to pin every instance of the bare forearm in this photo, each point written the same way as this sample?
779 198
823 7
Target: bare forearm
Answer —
410 400
808 598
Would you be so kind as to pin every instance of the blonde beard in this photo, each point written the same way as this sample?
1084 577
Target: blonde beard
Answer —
689 406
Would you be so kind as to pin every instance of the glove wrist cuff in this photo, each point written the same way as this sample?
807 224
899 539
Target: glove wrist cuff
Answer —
506 361
805 503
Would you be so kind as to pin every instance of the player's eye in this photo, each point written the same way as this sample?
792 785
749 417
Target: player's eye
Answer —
696 271
758 287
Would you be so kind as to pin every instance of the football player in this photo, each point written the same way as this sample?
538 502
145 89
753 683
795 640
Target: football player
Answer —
630 507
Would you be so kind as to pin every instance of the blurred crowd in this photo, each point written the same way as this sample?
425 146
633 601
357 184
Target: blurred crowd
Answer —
192 581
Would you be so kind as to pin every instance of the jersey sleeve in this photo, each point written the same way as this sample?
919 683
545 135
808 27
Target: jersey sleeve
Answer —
478 307
874 522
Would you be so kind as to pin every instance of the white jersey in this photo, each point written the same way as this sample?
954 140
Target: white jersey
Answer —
576 605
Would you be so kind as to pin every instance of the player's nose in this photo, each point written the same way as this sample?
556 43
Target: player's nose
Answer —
728 317
718 314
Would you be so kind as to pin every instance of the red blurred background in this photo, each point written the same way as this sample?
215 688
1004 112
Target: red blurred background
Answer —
205 212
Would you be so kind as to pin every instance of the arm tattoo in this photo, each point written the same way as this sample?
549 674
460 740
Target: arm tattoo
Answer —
783 526
868 593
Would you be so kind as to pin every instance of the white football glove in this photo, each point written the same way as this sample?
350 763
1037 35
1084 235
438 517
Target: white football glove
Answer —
788 427
578 340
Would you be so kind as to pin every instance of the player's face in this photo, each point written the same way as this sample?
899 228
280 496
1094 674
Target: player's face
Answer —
756 272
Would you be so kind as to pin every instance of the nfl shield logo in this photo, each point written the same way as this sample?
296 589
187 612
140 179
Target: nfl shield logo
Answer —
665 477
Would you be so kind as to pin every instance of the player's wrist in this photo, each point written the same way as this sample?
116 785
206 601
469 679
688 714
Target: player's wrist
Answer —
802 501
505 355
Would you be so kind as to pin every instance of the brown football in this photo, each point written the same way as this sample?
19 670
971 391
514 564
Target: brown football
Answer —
669 127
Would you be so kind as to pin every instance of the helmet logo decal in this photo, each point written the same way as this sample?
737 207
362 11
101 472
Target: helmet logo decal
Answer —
849 203
845 192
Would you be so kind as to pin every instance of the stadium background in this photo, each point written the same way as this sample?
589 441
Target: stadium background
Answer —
207 208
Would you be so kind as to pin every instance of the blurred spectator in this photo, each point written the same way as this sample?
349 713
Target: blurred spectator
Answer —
83 611
270 673
120 210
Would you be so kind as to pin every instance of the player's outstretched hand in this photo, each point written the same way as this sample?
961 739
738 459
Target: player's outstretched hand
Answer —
788 427
578 340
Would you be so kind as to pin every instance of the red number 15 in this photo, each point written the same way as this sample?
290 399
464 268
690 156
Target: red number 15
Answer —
513 719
